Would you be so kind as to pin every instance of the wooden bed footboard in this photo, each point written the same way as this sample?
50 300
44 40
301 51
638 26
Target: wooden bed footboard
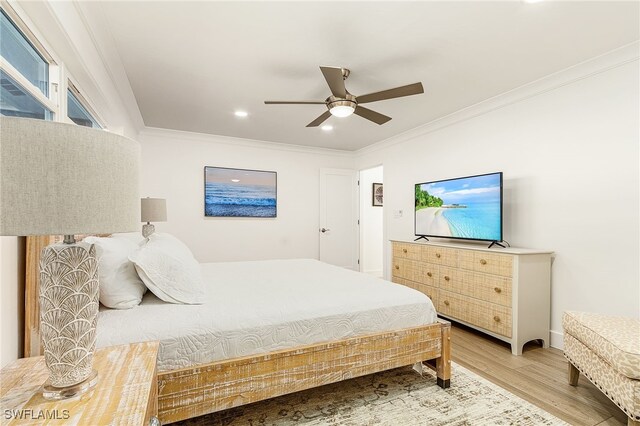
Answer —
203 389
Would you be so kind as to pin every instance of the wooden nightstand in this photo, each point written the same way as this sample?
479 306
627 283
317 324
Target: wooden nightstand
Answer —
126 393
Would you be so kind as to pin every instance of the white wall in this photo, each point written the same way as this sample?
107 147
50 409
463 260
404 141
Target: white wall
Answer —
371 224
172 168
571 178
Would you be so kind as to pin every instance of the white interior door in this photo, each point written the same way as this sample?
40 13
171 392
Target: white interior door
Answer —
338 226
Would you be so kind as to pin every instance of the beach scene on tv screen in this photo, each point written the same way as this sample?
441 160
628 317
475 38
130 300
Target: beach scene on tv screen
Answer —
461 208
239 193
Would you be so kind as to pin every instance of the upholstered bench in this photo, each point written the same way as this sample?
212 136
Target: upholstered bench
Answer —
606 350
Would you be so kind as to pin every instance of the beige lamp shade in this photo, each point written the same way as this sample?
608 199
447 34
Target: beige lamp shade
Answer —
64 179
153 210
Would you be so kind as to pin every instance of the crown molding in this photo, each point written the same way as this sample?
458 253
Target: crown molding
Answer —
234 141
605 62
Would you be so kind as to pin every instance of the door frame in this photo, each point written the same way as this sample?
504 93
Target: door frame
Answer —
360 221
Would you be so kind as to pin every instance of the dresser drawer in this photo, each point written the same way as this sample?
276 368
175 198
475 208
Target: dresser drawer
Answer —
490 263
407 269
490 288
430 274
430 291
407 251
482 314
440 255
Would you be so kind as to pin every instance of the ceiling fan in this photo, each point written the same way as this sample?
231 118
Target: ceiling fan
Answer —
342 103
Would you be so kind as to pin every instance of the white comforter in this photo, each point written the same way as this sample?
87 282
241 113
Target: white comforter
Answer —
262 306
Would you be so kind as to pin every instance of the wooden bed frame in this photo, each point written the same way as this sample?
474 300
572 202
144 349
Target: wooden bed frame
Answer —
202 389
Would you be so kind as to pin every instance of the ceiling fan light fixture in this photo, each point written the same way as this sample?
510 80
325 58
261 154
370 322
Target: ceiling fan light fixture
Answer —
342 110
339 107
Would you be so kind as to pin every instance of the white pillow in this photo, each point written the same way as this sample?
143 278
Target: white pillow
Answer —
169 270
136 237
120 286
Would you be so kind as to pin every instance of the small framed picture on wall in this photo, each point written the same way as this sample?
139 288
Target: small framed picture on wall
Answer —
376 195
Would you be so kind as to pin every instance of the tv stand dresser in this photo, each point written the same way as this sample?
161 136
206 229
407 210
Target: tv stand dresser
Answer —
502 292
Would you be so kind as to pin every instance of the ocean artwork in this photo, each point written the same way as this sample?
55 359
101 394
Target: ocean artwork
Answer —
462 208
239 193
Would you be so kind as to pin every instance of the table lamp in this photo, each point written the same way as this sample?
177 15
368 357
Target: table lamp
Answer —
64 179
152 210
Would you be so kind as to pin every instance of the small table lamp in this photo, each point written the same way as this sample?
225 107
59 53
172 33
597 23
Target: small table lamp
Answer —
152 210
64 179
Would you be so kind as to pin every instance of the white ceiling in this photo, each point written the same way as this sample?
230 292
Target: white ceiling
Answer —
192 64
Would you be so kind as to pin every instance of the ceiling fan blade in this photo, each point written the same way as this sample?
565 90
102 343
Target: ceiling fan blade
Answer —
293 102
335 80
318 121
397 92
370 115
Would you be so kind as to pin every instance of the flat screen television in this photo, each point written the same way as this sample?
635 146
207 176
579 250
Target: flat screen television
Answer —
468 208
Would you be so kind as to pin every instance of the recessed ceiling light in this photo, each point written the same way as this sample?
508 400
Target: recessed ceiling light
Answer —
235 180
327 127
241 113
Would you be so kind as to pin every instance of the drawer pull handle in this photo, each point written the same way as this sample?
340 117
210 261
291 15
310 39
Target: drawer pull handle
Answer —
497 289
429 274
404 250
397 267
446 278
446 302
483 262
438 255
496 318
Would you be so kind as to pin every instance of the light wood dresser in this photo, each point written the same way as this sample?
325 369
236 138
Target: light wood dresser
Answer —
502 292
126 392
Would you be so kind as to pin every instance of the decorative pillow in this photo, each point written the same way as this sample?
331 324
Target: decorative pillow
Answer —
120 286
167 267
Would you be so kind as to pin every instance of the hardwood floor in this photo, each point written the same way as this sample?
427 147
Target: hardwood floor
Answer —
539 376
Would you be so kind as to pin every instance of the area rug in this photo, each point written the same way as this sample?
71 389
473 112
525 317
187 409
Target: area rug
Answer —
396 397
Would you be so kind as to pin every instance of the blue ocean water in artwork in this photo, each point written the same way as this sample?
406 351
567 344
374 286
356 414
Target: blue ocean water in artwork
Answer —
478 221
222 199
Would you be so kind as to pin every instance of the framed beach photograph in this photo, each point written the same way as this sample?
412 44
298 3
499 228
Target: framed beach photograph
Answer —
239 192
376 198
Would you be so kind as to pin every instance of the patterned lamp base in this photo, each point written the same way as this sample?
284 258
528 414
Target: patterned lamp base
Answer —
148 229
68 315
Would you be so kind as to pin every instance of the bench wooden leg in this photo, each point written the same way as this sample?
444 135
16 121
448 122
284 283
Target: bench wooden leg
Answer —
574 375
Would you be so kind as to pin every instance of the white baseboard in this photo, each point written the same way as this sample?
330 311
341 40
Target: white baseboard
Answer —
557 340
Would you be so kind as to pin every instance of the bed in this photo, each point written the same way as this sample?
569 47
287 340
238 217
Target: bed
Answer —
269 328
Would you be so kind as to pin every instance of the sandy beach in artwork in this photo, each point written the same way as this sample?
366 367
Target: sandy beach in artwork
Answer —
430 221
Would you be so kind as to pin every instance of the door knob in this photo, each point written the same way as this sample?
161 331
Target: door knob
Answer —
323 230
